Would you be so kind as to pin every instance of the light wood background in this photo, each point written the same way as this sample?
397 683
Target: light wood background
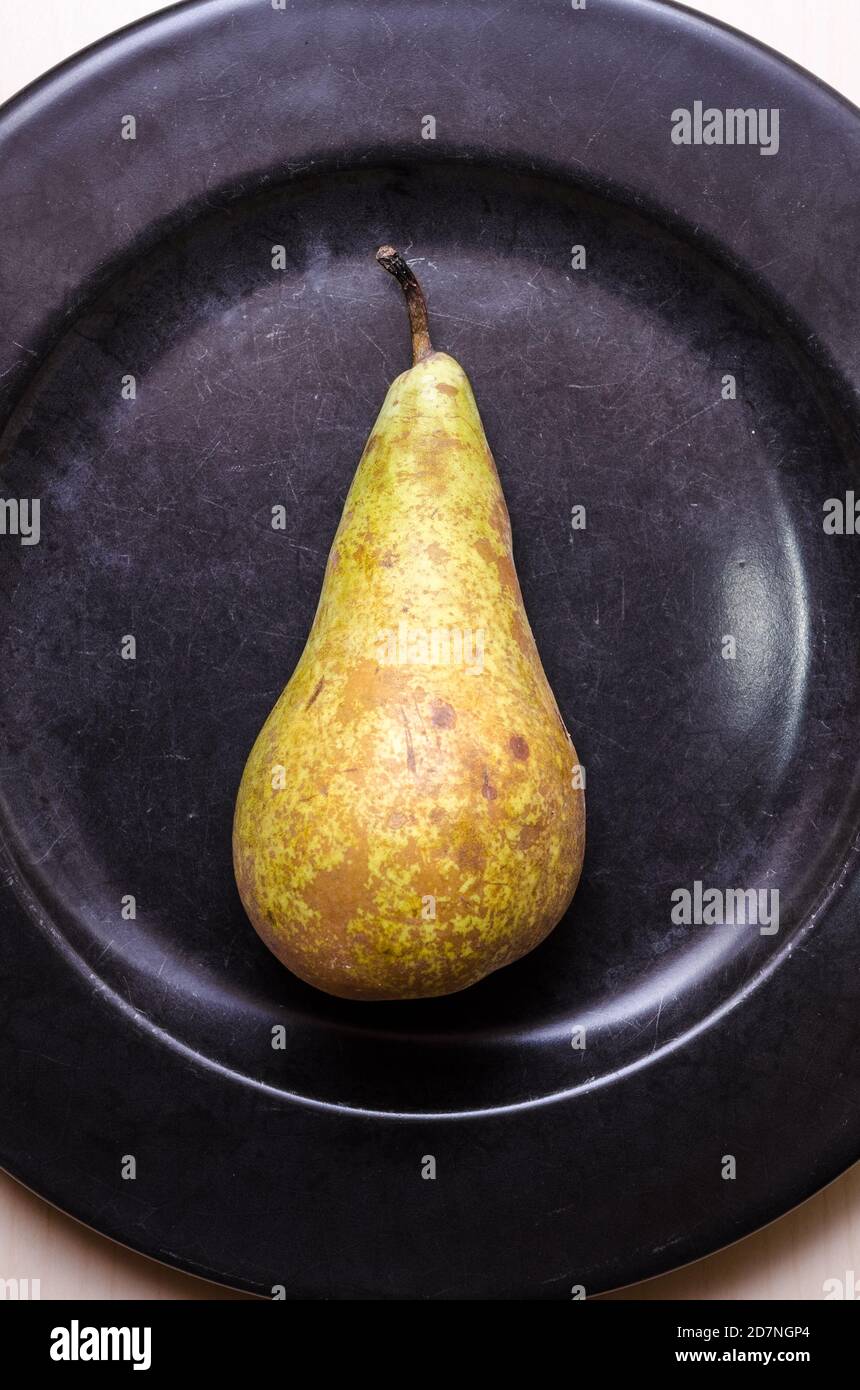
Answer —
790 1259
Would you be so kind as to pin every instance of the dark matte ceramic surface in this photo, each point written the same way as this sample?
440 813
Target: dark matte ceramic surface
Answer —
255 387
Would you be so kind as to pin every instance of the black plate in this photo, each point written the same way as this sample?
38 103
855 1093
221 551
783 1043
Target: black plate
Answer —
302 1166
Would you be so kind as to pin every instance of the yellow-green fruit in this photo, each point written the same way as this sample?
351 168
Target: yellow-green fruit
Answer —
409 818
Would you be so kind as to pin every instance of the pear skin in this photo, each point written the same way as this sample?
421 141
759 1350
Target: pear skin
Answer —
409 819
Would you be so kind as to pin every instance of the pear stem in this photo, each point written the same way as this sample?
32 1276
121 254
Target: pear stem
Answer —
393 262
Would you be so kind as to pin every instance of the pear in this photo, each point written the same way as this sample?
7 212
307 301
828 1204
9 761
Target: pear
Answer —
410 817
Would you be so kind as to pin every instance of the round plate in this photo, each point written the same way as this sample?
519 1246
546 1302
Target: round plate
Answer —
167 379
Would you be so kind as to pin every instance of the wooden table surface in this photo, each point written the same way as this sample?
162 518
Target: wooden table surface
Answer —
795 1257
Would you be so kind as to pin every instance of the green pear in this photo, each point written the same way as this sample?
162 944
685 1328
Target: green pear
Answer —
410 817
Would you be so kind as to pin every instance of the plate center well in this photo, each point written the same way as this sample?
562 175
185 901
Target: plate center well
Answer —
709 761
